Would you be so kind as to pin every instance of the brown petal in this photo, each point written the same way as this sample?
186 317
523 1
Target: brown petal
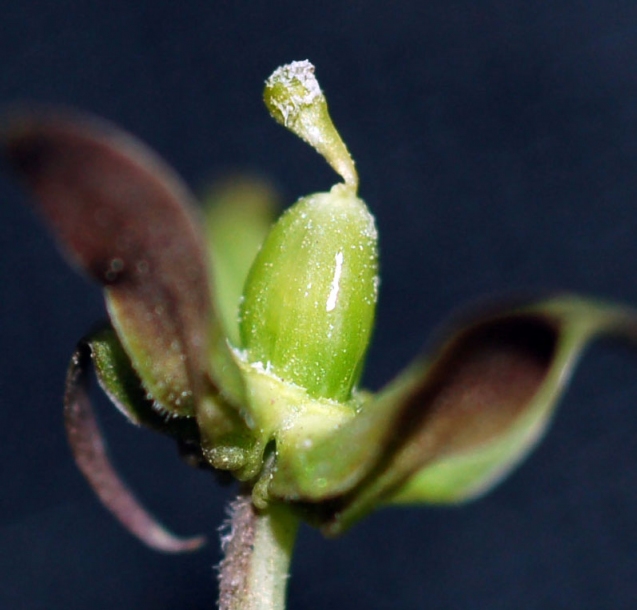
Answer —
485 402
91 457
451 425
124 217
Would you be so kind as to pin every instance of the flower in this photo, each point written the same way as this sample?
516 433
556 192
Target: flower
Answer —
252 361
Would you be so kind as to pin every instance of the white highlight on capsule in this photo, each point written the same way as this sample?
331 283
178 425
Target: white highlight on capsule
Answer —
331 300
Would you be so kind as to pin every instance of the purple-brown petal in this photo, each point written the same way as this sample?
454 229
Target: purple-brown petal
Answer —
124 217
90 454
485 378
483 403
454 423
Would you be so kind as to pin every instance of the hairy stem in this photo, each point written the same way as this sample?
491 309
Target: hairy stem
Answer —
258 548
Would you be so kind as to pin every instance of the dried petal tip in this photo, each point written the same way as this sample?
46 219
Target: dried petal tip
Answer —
296 101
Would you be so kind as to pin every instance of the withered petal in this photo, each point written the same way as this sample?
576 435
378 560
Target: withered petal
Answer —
472 410
89 451
125 218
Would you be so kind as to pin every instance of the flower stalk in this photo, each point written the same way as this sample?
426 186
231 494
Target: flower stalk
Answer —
258 549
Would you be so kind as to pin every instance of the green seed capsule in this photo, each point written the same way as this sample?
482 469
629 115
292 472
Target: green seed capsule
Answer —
309 300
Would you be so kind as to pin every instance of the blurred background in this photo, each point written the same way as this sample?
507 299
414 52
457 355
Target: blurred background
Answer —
496 143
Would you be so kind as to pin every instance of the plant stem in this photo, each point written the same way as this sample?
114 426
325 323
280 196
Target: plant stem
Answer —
258 549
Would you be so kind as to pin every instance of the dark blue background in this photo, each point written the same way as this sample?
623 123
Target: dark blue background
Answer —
496 144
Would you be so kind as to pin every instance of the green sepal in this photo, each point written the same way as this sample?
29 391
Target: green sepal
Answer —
454 423
218 436
120 382
238 214
286 419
